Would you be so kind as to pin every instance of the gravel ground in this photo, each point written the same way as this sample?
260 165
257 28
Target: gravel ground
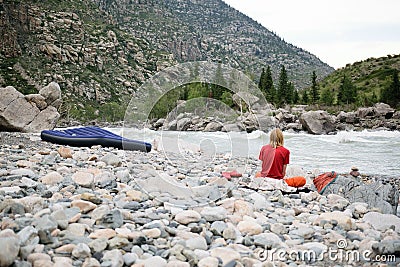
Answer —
69 206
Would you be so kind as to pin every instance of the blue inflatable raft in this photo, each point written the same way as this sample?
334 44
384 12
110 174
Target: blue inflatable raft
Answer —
91 136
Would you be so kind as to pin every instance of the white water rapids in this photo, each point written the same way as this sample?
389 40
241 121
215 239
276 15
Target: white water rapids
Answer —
373 152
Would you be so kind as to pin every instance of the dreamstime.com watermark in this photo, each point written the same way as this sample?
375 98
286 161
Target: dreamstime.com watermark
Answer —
337 255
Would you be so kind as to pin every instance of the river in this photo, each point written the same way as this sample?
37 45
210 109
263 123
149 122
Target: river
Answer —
373 152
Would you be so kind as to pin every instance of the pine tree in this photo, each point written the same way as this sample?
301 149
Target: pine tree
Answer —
290 93
296 97
391 94
396 87
283 87
262 82
327 97
362 99
269 86
266 85
347 91
304 97
314 88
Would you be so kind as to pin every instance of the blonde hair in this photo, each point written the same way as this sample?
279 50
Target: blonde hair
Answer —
276 138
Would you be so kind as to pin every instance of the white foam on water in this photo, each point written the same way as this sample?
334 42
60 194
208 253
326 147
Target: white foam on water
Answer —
373 152
257 135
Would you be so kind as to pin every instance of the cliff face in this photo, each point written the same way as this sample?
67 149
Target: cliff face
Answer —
9 45
76 45
101 50
212 30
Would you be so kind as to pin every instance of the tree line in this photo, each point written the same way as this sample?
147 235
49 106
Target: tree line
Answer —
347 93
200 92
284 93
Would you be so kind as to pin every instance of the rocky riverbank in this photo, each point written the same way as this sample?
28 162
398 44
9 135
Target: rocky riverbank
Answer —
36 112
66 206
297 118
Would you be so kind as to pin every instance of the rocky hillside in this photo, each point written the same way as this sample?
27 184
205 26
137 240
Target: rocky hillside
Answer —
77 45
370 76
101 51
212 30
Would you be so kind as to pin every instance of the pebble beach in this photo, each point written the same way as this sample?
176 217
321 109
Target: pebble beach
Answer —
78 206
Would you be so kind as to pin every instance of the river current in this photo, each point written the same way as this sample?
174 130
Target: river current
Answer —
373 152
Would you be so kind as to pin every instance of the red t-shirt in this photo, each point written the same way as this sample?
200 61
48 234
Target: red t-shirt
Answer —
273 160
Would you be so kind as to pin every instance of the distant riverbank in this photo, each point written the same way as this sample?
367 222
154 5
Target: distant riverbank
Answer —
294 119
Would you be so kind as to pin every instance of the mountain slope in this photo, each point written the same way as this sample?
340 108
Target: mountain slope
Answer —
77 45
101 51
211 30
370 76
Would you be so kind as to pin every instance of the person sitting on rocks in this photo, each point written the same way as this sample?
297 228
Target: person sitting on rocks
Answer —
275 158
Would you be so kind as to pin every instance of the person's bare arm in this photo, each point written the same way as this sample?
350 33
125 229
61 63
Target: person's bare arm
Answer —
284 171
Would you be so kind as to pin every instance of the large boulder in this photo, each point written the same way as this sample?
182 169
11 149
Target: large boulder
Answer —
260 122
46 119
38 100
183 124
382 222
52 94
213 126
347 117
384 110
245 98
396 115
383 197
318 122
15 113
366 112
31 113
232 127
378 110
8 95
